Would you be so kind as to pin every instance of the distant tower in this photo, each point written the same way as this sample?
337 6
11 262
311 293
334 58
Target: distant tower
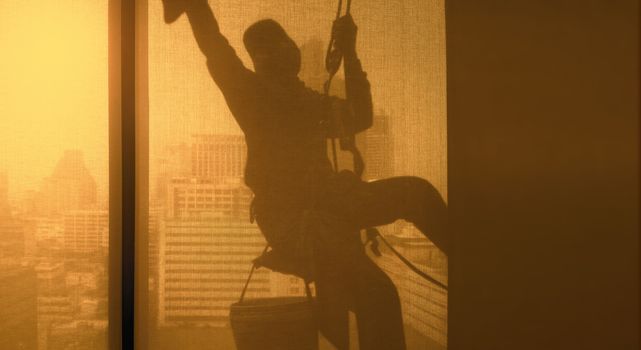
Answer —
174 162
86 231
13 245
4 195
70 186
4 187
218 157
12 240
312 70
378 149
203 197
53 303
18 324
203 266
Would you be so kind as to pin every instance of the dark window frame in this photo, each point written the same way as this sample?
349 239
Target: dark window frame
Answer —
127 170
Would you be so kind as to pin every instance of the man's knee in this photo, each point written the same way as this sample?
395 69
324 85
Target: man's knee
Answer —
422 197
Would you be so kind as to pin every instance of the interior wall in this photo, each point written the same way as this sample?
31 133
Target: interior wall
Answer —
543 136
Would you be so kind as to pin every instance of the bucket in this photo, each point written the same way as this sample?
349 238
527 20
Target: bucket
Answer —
285 323
280 323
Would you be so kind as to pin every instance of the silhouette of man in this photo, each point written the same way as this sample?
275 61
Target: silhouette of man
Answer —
309 214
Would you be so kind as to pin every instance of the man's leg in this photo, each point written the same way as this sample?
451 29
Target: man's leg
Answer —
347 278
377 307
358 205
381 202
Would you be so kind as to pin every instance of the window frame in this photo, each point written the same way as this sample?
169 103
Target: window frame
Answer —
124 187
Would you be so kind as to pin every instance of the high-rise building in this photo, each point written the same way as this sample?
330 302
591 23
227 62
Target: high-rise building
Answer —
377 148
52 311
70 187
174 161
12 239
29 237
48 228
424 304
205 197
54 306
204 263
86 231
218 157
78 335
312 70
155 217
51 278
18 329
4 195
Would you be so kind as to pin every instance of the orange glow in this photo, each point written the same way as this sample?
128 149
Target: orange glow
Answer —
53 87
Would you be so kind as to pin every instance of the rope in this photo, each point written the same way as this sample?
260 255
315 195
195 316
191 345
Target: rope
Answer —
333 60
373 233
251 273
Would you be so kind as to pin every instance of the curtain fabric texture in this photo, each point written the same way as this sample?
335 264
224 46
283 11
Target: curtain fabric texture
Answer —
201 242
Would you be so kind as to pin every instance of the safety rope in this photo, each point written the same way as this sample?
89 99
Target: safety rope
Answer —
333 59
373 233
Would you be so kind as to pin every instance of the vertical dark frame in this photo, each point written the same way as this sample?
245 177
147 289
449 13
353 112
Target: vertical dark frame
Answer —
122 172
128 131
115 178
128 141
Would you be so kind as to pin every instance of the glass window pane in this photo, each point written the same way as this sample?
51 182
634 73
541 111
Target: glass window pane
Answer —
53 174
201 242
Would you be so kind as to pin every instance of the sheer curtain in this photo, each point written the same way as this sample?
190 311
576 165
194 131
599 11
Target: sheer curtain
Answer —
200 242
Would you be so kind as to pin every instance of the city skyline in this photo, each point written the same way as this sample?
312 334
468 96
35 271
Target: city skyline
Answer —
58 239
54 176
203 186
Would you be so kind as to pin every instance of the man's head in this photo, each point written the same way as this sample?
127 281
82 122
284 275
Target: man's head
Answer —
273 52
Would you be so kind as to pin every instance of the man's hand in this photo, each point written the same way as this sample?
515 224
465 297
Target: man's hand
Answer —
344 30
173 9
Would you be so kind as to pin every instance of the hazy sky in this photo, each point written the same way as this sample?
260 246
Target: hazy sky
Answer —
53 87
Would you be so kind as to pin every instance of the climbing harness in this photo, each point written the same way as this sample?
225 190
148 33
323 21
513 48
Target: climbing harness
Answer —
333 60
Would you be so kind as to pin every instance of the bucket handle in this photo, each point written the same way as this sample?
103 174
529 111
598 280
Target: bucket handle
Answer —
308 291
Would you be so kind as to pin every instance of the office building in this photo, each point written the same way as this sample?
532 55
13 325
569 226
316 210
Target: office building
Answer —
86 231
218 157
70 187
204 263
18 325
206 197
